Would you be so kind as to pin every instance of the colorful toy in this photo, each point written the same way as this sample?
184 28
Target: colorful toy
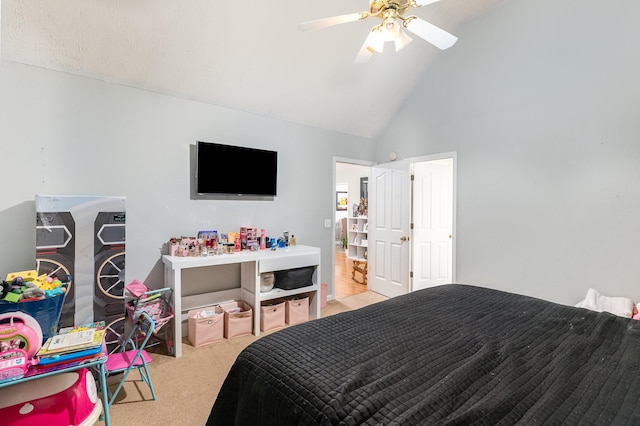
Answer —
12 297
55 291
23 276
27 285
32 293
6 287
13 364
20 331
73 394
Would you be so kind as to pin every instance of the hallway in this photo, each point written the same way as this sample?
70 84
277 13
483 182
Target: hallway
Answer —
345 285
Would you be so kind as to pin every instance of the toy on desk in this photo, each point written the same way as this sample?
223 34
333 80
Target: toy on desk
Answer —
5 288
19 330
20 339
22 276
32 293
13 364
27 285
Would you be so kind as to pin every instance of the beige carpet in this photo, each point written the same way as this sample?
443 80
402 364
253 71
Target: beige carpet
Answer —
186 387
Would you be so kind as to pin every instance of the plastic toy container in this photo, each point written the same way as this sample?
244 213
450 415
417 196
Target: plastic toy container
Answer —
45 311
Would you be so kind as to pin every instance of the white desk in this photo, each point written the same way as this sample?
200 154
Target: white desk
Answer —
252 264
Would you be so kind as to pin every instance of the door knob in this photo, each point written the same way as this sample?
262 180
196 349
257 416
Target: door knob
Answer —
403 239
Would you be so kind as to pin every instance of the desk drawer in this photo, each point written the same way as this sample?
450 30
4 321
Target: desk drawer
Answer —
288 262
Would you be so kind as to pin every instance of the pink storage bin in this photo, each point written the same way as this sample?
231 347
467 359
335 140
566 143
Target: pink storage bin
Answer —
272 316
206 325
297 311
324 290
238 319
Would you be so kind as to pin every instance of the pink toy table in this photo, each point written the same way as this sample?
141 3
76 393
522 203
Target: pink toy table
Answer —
97 363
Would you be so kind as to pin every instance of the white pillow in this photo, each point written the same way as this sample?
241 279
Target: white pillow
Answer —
595 301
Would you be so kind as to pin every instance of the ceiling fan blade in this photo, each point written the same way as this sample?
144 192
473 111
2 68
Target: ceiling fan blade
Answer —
425 2
434 35
335 20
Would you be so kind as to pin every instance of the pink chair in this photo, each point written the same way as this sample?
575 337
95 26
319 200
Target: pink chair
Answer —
132 355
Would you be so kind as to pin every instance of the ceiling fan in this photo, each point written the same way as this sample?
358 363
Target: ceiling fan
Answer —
392 15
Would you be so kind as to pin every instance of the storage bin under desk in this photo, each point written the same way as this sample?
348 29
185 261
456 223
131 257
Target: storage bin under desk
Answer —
297 310
251 265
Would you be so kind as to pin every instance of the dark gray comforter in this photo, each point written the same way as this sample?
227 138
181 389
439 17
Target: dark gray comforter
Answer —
448 355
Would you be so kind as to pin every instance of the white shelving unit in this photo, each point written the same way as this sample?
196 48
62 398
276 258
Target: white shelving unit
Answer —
358 240
251 264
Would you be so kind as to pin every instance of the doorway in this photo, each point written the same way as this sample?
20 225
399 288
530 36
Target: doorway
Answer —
430 262
412 224
350 182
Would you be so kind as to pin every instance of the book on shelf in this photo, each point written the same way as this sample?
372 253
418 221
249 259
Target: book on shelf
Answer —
74 339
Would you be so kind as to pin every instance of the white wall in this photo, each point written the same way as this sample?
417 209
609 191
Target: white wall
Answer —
67 135
541 100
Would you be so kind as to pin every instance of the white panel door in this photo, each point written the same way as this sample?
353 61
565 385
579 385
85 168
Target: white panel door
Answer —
389 247
432 254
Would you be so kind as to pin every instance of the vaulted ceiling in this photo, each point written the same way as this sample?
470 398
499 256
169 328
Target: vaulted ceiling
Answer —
245 56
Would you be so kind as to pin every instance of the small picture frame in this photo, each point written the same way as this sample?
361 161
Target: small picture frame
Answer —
365 227
341 200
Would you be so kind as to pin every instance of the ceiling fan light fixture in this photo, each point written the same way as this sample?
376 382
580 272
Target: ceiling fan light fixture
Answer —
392 14
371 44
376 39
401 39
388 29
391 30
389 24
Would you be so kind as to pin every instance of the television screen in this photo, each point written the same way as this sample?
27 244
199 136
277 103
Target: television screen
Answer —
234 170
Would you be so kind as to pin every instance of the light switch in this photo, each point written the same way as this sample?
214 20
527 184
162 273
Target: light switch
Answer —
327 223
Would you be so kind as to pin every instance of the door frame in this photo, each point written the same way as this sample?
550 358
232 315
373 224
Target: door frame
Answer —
331 290
452 154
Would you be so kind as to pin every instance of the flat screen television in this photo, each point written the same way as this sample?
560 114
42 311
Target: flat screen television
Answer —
235 170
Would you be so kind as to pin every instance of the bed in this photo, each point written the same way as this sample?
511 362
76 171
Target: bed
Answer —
453 354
